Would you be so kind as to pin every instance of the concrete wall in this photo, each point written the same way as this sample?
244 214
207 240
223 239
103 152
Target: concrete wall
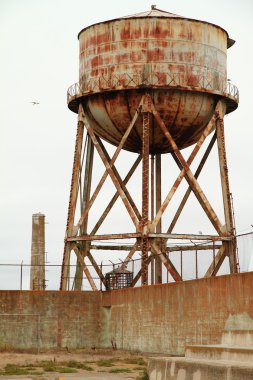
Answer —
49 319
164 318
160 318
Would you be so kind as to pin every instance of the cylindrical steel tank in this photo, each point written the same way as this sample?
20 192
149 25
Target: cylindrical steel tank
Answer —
181 62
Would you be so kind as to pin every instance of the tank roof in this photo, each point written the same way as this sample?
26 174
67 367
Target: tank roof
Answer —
154 12
159 13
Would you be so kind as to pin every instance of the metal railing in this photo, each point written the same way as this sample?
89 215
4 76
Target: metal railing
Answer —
130 81
190 264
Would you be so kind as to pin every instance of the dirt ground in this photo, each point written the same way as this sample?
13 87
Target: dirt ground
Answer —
102 364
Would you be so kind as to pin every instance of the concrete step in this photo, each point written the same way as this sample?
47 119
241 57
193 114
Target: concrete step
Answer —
242 338
168 368
220 352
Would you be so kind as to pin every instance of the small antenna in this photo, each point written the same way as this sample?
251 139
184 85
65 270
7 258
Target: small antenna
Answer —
153 6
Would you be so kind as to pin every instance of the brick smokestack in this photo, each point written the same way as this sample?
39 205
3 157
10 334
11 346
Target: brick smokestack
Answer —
37 272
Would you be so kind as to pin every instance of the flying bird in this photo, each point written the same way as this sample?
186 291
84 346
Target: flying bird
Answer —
35 103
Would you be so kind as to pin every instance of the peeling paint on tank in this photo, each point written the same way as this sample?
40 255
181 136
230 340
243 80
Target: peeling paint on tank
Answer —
158 55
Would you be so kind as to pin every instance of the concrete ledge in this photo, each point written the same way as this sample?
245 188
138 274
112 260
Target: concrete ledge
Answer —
237 338
220 352
192 369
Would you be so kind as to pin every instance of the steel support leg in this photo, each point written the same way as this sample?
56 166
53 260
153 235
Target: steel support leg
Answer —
84 246
152 202
230 247
145 197
72 200
158 180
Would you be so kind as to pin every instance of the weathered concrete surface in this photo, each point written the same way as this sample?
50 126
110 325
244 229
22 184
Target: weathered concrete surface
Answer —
220 352
165 318
190 369
223 362
45 319
160 318
239 338
37 271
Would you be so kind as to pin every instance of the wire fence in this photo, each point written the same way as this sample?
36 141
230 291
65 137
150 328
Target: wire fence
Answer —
190 264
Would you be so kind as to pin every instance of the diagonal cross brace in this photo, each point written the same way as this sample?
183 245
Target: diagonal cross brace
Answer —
115 197
96 267
84 267
115 155
186 172
129 256
108 166
122 184
188 191
218 260
167 263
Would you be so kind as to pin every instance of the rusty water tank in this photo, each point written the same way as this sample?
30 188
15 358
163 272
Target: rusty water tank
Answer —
180 62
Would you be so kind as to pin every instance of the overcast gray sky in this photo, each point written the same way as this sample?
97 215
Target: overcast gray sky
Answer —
39 61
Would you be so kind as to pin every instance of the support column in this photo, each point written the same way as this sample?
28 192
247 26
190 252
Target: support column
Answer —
158 262
152 264
84 246
145 197
72 200
230 247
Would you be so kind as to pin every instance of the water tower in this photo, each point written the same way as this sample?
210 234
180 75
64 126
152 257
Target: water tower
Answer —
152 83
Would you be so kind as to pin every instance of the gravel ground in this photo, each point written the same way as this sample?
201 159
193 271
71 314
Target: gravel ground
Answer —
91 357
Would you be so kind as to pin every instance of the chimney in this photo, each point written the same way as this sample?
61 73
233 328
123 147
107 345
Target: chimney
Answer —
37 272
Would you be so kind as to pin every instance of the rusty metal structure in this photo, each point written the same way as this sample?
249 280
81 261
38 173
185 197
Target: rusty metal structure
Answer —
118 279
37 271
151 83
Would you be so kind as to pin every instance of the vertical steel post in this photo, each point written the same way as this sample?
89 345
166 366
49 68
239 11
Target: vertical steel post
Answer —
196 262
72 199
152 210
21 275
83 246
101 268
213 257
181 264
158 182
229 225
145 197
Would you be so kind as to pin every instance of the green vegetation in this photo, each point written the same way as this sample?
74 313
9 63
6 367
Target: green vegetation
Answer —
143 376
35 372
47 365
79 365
73 364
66 370
138 361
120 365
119 370
106 362
87 367
11 369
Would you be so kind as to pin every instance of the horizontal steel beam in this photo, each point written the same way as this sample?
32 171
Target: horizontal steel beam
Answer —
199 247
191 237
150 235
105 237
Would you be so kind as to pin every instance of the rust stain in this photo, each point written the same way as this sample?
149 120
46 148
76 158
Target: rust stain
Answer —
180 62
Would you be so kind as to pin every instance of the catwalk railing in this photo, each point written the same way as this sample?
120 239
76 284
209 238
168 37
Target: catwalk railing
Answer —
191 263
126 81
